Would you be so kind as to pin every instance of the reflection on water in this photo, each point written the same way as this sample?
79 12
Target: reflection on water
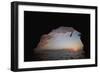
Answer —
58 54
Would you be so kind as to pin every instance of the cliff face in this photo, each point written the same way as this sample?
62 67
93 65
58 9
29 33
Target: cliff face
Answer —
60 43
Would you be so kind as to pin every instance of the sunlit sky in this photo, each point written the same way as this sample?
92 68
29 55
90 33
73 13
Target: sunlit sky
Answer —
62 40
